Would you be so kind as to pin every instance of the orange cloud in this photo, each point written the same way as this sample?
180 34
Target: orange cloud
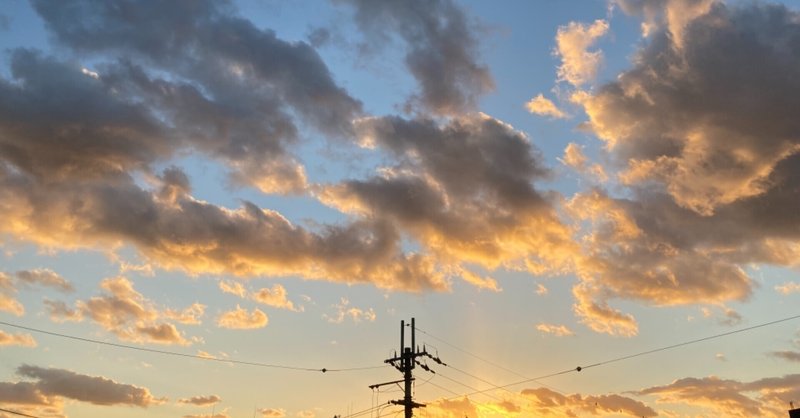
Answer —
272 412
463 191
557 330
578 64
275 297
540 402
126 313
22 340
788 288
8 301
239 318
731 397
543 106
343 311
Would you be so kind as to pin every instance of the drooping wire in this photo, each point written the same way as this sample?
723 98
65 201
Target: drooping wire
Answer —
477 391
639 354
489 362
17 413
685 343
194 356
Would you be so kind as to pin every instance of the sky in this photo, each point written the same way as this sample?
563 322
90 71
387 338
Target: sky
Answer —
205 203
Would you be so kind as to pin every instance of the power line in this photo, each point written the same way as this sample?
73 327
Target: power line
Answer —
489 362
639 354
478 378
194 356
483 392
669 347
17 413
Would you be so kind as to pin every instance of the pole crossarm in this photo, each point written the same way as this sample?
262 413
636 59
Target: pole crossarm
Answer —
405 361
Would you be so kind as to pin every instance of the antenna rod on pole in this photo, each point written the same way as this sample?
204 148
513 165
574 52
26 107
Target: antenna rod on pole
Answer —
404 362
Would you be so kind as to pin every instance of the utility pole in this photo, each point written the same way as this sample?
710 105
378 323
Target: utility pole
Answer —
405 363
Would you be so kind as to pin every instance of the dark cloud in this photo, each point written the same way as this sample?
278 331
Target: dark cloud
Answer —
201 400
442 49
224 88
44 277
200 237
58 123
707 142
98 390
731 397
463 189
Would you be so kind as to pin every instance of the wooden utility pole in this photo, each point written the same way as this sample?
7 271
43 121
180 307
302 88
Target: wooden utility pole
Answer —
405 363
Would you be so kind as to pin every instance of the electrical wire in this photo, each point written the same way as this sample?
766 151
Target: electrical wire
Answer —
639 354
17 413
445 389
479 378
489 362
194 356
477 391
685 343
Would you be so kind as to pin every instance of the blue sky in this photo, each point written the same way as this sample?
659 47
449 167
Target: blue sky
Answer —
540 184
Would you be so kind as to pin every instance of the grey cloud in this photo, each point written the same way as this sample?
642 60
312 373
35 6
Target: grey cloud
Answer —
442 49
198 39
463 189
226 88
22 393
200 237
44 277
92 389
201 400
57 123
706 138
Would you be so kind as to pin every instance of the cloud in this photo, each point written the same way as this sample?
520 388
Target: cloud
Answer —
51 384
543 106
217 415
579 65
58 311
8 292
731 397
463 190
593 310
547 402
207 400
576 159
21 340
486 283
308 413
557 330
441 54
540 402
239 318
788 288
541 290
234 288
199 237
674 14
344 311
126 313
793 356
190 315
240 83
706 148
272 412
275 297
44 277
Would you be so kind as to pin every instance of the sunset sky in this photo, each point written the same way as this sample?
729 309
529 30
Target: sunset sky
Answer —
541 184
